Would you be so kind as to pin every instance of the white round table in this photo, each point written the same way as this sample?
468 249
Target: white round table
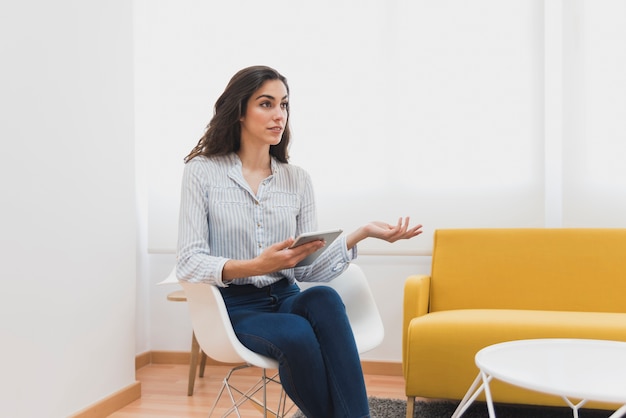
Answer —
570 368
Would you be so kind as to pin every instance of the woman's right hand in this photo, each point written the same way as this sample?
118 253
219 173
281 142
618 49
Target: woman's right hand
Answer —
281 256
275 258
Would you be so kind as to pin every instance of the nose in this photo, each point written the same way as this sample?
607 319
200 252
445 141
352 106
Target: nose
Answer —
279 113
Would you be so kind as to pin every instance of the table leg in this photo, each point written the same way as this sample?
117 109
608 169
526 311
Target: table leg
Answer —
486 379
575 407
619 413
470 396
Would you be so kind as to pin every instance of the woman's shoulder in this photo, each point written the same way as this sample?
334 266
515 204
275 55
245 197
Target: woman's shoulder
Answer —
293 170
204 163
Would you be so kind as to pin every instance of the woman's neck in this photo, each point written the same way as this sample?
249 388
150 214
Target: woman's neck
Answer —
257 160
255 168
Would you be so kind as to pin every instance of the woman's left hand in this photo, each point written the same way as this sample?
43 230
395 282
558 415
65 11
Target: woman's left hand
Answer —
384 231
392 233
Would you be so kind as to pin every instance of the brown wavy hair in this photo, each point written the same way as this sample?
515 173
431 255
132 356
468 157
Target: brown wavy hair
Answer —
223 134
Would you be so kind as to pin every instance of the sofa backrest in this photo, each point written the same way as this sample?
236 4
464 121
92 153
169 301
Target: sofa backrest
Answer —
528 268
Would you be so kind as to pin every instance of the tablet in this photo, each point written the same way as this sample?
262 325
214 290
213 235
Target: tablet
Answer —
327 236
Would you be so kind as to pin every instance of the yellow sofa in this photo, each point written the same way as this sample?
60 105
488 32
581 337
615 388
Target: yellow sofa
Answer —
492 285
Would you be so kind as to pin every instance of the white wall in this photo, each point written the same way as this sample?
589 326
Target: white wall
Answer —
426 109
422 108
460 114
594 132
68 224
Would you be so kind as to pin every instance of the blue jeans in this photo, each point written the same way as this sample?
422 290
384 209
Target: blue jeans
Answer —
309 334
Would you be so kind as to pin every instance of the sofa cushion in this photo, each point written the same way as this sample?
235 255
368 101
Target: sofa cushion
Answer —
442 345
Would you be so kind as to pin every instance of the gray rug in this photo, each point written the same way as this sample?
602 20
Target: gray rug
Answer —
394 408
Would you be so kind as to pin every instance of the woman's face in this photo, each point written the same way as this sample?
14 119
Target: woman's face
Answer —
266 115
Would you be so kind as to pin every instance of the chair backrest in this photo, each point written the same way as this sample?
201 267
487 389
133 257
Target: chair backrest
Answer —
353 287
216 337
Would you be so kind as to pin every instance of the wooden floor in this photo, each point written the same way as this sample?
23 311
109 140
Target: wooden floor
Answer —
164 392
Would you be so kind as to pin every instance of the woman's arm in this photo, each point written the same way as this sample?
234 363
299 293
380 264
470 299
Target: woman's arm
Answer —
275 258
384 231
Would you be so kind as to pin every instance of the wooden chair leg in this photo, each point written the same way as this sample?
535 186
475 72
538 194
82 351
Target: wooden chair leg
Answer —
193 364
202 363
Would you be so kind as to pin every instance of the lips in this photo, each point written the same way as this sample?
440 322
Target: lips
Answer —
276 129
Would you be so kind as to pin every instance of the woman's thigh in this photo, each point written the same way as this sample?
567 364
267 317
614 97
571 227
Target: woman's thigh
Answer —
275 334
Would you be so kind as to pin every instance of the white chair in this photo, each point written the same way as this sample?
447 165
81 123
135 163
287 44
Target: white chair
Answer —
214 332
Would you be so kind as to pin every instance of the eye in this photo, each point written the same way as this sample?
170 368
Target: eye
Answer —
285 105
265 104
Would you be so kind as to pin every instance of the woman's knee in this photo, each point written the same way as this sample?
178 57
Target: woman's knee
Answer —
325 294
320 305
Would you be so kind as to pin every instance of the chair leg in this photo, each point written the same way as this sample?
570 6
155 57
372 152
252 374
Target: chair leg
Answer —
264 394
193 364
202 363
238 397
410 406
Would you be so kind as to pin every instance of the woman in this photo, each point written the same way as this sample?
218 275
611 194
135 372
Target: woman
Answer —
241 206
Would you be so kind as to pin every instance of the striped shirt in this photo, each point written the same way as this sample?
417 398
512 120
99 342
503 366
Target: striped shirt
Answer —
222 219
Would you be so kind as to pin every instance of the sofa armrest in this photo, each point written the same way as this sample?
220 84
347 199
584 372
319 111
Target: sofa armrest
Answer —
416 301
416 297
